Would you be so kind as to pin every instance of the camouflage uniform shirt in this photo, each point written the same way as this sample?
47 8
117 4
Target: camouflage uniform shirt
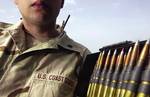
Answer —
47 69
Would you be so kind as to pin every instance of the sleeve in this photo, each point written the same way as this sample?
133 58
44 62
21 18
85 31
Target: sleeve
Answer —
82 83
85 74
87 52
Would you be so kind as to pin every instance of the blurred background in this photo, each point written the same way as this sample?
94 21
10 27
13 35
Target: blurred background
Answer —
97 23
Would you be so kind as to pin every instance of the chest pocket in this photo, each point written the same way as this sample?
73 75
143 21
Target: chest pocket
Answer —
50 85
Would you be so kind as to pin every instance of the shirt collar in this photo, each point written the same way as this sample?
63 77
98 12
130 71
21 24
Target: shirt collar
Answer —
68 43
62 41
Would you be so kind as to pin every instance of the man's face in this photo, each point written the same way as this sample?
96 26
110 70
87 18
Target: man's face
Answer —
39 11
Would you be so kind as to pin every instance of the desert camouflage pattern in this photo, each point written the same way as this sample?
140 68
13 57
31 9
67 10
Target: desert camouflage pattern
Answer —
48 69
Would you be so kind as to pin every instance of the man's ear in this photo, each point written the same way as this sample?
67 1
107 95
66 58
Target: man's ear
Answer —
62 3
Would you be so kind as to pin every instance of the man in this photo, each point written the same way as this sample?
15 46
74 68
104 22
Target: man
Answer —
36 59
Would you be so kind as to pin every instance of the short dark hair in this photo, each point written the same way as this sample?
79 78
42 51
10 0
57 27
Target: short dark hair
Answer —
62 4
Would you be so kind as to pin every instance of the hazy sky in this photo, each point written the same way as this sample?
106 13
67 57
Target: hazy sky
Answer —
96 23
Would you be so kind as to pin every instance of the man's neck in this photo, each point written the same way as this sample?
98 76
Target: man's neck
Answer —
41 32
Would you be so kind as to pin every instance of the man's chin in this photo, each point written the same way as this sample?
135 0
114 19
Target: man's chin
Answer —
40 21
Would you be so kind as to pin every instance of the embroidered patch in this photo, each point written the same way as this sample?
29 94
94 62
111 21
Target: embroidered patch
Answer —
58 78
